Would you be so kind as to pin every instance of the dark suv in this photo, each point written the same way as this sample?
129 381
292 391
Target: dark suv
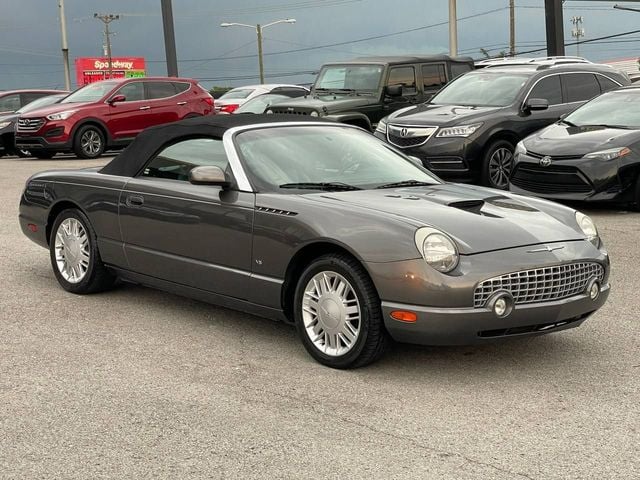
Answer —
468 131
109 114
364 90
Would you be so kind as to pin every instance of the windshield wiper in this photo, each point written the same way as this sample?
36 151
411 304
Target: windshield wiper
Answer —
604 125
404 183
567 122
321 186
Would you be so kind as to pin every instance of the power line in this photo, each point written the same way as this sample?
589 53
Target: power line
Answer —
348 42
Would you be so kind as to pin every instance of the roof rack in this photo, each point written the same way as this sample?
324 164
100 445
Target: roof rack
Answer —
542 62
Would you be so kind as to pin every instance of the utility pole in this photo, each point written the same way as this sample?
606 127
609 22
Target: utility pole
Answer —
65 47
512 28
555 27
107 18
577 32
258 28
453 29
169 38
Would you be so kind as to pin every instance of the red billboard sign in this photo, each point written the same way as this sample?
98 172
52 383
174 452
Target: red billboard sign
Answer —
89 70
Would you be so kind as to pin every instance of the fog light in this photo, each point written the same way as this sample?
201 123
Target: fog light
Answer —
594 290
501 303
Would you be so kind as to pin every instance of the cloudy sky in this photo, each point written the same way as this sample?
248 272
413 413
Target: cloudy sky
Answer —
30 34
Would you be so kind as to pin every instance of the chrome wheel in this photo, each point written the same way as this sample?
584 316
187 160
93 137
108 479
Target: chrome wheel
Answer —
91 142
331 313
500 165
72 250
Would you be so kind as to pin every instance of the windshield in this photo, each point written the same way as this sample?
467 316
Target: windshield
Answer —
349 77
90 93
320 154
619 108
237 94
482 90
260 103
41 102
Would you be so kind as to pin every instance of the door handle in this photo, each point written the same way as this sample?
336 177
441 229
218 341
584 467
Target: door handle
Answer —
181 103
147 107
134 200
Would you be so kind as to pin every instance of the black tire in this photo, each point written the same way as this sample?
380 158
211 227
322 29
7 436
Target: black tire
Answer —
637 195
96 278
42 154
497 164
372 338
89 142
23 153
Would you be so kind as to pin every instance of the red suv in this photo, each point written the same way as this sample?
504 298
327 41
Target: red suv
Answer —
109 114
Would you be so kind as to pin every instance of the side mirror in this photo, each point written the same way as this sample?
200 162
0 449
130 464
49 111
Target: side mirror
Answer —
117 99
209 175
533 104
393 90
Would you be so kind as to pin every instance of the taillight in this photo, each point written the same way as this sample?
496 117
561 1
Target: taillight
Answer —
209 101
230 108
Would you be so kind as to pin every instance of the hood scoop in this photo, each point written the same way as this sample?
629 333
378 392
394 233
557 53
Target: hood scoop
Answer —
473 206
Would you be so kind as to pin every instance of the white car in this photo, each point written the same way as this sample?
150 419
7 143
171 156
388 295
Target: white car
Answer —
235 97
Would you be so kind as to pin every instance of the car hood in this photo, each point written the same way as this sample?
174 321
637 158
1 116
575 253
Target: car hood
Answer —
58 107
479 219
561 139
8 117
440 115
325 104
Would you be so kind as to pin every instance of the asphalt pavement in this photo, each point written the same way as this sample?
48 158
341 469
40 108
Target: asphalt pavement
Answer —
136 383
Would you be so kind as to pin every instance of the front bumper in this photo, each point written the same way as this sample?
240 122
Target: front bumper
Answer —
54 136
573 179
453 158
468 326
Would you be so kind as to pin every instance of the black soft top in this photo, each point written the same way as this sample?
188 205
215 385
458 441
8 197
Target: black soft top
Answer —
131 160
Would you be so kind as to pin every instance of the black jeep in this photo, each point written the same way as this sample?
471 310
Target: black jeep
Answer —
364 90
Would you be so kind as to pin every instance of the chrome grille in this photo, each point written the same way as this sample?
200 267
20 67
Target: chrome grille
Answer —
29 124
540 284
406 137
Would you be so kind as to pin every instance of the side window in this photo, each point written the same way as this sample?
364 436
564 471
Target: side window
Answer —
548 88
176 161
405 76
181 86
581 87
156 90
10 103
606 83
133 91
433 76
458 69
30 97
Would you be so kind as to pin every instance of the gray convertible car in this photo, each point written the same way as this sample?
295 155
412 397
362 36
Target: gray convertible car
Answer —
322 225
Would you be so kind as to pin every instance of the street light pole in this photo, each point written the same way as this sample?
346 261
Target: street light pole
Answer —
260 59
258 28
65 47
453 28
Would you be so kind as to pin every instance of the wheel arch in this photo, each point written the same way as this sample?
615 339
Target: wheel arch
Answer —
508 135
352 118
55 210
303 257
96 122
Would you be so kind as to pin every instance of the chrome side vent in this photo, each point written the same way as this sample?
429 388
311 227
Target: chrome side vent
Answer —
276 211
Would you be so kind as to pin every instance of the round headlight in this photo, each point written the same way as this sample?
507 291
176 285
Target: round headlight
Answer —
313 113
437 249
270 112
588 228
